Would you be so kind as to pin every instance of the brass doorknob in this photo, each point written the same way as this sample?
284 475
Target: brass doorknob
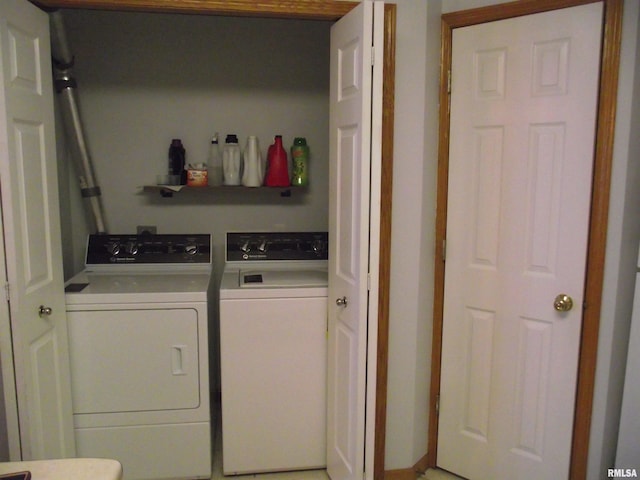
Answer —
563 303
44 311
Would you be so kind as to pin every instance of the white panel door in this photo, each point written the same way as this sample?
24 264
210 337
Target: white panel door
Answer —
523 116
32 233
350 184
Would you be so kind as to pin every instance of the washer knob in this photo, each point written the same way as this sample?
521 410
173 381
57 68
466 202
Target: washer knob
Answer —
245 247
191 249
318 247
263 246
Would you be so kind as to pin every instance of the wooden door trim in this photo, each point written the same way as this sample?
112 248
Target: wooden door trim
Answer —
610 62
384 275
304 9
330 10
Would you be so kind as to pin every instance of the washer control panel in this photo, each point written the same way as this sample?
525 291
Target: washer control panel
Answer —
252 246
106 249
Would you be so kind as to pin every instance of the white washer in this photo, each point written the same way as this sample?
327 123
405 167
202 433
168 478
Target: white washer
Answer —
273 349
138 344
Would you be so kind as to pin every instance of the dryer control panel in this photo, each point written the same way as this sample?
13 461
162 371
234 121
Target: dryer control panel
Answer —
267 246
106 249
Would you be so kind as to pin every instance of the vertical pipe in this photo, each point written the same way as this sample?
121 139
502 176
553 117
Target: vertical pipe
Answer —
66 87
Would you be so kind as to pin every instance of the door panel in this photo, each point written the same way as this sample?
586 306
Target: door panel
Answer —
523 115
32 233
347 209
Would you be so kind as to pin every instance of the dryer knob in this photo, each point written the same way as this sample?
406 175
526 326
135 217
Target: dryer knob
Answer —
191 249
113 248
132 248
245 247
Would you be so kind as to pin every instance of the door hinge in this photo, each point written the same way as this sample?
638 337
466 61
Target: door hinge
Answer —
449 81
444 250
437 405
368 282
6 291
373 55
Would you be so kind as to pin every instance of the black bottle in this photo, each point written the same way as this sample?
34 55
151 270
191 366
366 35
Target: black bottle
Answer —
177 157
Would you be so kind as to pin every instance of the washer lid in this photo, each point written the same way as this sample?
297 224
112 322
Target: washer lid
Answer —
283 278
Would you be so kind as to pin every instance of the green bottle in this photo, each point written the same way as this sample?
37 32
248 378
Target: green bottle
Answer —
300 162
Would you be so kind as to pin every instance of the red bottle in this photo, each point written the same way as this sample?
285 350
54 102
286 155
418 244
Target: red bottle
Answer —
277 166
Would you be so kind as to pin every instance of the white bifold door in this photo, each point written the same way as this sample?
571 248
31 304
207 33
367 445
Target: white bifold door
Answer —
354 184
31 225
523 114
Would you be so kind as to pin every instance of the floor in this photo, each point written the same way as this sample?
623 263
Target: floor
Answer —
439 475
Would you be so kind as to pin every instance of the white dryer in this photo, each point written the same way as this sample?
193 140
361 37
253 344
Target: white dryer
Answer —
138 344
273 349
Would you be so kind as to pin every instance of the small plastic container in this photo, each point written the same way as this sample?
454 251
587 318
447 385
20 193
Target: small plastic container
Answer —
197 177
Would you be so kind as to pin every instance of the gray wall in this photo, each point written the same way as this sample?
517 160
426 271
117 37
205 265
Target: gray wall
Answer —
628 448
4 440
413 228
147 78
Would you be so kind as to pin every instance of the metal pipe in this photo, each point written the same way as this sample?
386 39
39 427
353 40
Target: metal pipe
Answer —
66 87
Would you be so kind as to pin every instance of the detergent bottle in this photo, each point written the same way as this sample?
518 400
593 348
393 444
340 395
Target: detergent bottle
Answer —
277 168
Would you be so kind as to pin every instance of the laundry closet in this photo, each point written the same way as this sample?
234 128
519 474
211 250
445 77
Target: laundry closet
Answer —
147 78
148 96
